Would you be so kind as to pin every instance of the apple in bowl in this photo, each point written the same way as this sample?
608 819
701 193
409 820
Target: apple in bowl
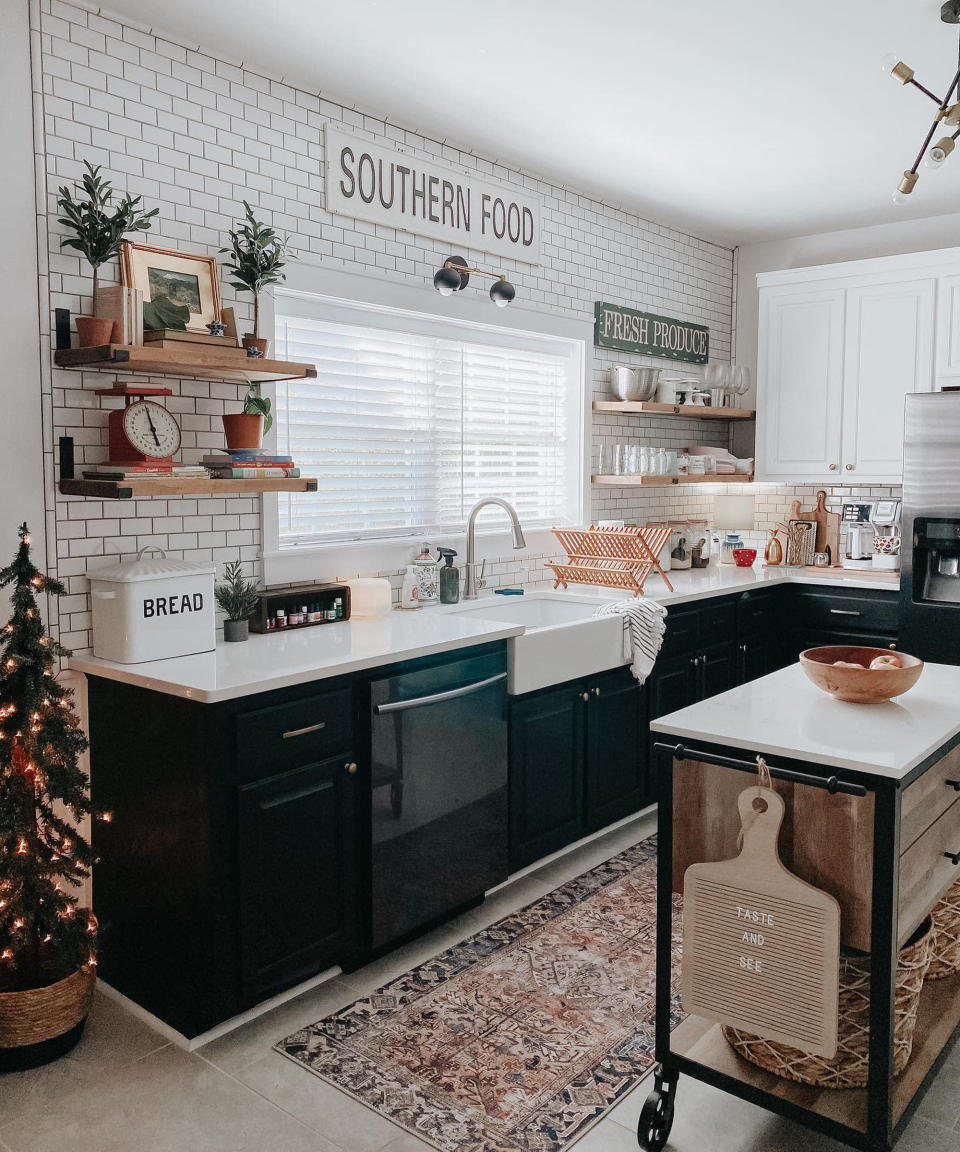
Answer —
861 675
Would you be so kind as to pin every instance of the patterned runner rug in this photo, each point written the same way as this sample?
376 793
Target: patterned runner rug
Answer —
520 1038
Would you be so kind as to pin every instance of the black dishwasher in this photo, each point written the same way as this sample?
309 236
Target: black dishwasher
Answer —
439 791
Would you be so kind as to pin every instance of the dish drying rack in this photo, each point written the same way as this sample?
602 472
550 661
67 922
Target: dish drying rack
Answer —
610 557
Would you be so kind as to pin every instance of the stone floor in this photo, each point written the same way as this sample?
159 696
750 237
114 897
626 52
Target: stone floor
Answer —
125 1089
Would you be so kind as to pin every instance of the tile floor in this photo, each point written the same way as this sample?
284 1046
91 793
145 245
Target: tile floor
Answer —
124 1088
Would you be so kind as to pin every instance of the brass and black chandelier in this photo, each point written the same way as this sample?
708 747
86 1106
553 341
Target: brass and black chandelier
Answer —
947 119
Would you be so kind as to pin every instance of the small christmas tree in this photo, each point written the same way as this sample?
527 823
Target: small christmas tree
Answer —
43 935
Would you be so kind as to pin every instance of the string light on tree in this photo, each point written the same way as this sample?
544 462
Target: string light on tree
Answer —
42 796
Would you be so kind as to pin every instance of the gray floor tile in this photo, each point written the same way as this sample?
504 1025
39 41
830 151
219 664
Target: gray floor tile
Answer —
407 1143
609 1137
245 1045
923 1135
342 1119
112 1038
167 1102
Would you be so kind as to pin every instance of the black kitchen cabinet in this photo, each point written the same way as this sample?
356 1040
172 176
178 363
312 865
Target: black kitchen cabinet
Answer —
298 875
616 763
672 684
547 755
717 670
578 761
754 659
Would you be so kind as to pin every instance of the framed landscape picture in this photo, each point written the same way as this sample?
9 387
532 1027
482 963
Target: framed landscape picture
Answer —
185 279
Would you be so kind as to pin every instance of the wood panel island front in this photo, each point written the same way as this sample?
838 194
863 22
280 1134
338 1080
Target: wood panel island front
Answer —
871 796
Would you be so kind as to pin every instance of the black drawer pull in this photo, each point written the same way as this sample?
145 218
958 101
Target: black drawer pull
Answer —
303 731
953 857
954 784
844 612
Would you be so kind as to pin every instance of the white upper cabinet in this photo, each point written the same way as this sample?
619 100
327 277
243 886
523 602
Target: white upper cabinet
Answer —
801 348
888 352
840 347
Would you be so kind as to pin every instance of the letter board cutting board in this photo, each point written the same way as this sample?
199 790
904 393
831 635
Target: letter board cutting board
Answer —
761 947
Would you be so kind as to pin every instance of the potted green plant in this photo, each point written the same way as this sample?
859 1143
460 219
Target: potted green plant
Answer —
238 598
48 942
98 234
245 430
257 255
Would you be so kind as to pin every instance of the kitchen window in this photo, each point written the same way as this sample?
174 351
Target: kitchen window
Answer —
413 418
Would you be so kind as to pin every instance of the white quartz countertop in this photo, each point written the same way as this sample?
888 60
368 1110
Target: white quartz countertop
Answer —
784 714
279 659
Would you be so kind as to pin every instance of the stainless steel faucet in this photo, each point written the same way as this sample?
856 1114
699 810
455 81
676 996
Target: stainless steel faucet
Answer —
470 591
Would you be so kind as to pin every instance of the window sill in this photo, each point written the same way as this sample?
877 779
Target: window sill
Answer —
320 562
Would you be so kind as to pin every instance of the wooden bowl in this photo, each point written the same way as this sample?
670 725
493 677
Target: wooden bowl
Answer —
859 685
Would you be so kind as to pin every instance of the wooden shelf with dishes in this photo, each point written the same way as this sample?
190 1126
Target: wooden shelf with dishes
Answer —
650 408
650 481
229 364
163 487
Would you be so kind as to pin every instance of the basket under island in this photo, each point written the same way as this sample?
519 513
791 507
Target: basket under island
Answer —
872 816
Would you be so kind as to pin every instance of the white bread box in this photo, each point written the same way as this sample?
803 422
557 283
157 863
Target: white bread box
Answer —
152 608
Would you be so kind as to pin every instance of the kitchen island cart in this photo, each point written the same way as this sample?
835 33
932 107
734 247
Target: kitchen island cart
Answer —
871 795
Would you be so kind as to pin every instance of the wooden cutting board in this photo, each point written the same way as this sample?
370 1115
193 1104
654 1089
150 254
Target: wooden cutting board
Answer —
828 527
761 947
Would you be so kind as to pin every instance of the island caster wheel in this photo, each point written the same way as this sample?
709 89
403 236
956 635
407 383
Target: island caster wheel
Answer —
656 1118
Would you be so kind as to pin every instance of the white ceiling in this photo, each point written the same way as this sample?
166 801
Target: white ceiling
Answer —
741 120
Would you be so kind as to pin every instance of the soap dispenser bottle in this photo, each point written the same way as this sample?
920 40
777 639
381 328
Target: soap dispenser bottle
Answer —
449 577
427 571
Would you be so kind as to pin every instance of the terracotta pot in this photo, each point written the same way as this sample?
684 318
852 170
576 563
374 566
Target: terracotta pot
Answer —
40 1024
257 342
93 331
243 430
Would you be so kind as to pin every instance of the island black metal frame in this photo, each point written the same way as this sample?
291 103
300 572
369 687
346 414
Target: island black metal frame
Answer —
880 1131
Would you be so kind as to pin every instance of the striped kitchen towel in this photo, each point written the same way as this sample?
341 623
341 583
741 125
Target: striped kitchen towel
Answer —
644 623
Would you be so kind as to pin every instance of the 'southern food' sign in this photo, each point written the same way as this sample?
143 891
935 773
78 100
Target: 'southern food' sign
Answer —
632 331
384 186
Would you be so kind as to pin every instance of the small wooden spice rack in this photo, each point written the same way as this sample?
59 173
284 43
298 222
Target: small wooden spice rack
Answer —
320 597
610 557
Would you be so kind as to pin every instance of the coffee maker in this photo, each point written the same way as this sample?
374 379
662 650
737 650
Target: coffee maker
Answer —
856 521
885 519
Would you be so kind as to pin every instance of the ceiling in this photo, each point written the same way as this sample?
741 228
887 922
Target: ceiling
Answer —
740 120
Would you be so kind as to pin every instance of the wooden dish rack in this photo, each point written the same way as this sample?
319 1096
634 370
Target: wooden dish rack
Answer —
610 557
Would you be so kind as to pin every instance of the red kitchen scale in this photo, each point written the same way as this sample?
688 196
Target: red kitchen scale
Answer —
142 433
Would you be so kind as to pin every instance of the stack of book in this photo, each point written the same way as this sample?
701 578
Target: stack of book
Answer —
118 472
249 464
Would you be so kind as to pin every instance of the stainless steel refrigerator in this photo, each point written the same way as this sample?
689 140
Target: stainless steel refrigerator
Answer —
930 562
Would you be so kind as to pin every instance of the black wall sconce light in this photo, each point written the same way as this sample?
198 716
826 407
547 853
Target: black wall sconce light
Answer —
454 276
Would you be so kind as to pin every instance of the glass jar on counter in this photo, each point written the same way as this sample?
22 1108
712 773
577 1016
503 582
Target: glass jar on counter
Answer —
699 543
679 545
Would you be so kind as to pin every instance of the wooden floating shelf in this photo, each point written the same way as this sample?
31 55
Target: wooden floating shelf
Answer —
649 408
665 481
199 361
181 486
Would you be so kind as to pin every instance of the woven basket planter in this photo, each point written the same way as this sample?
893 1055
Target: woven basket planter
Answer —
848 1069
945 954
39 1015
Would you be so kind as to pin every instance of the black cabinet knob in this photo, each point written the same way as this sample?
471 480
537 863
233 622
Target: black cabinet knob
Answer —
954 784
953 857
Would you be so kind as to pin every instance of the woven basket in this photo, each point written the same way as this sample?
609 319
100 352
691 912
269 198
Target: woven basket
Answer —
848 1069
945 953
41 1014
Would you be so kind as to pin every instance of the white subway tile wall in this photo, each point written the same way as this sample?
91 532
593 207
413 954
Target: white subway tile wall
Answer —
195 135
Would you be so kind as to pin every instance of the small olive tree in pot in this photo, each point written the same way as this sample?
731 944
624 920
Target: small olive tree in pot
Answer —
98 234
257 255
238 599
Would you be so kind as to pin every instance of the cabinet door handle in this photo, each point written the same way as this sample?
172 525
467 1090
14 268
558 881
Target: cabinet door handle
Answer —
596 691
303 731
351 768
834 467
850 467
954 784
585 696
953 857
844 612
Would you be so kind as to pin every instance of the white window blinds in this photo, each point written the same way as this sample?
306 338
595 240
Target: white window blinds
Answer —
408 424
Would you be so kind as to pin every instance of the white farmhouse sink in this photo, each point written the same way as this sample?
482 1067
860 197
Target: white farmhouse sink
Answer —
563 639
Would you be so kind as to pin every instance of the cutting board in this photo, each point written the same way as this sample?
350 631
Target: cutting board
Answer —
828 527
761 947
